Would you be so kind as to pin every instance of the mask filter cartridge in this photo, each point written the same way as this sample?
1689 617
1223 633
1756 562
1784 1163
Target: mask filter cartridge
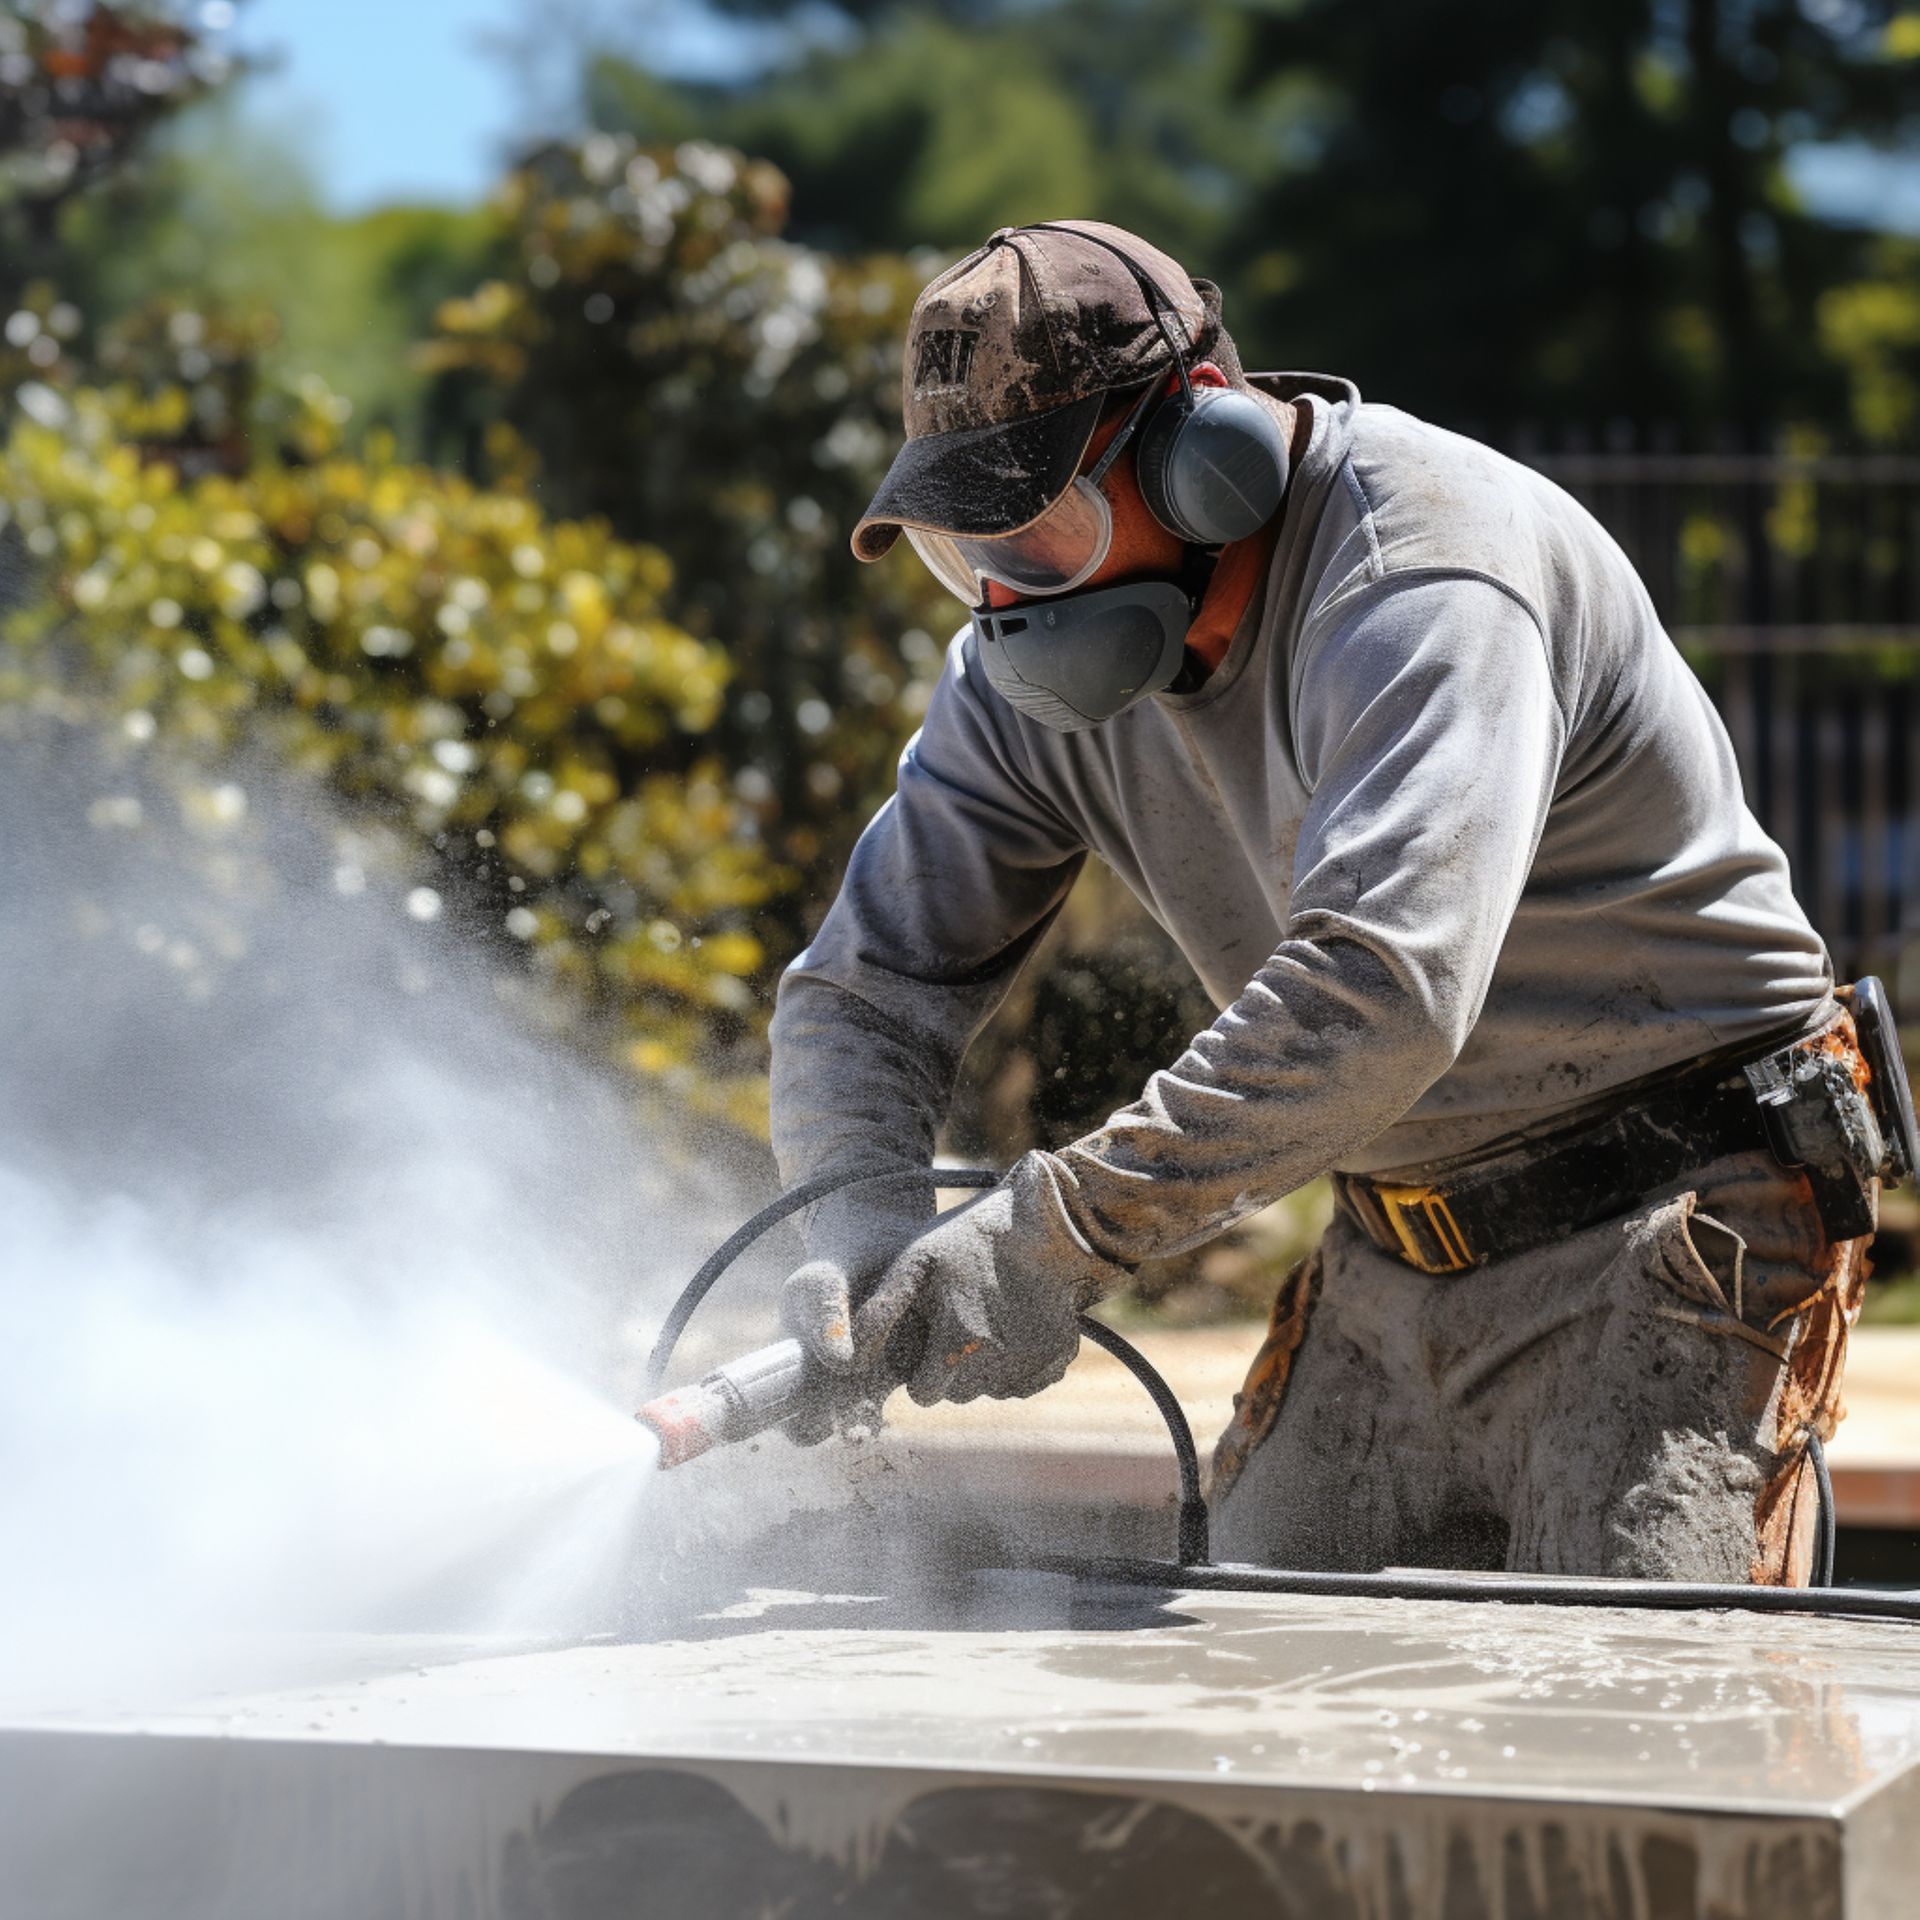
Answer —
1078 661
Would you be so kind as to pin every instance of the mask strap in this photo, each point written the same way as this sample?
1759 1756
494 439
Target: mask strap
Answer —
1117 445
1178 348
1157 302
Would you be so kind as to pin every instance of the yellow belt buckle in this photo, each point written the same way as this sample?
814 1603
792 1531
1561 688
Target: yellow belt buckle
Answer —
1397 1202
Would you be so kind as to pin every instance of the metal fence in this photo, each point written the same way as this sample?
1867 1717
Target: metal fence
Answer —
1793 585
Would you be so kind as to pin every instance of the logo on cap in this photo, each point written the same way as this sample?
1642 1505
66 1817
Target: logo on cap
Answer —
945 357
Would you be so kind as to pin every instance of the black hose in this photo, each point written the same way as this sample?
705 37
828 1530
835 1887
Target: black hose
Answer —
1823 1557
769 1217
1191 1545
1520 1589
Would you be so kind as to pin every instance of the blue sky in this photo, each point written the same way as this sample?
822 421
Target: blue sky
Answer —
401 100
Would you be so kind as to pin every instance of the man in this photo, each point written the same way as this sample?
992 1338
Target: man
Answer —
1456 842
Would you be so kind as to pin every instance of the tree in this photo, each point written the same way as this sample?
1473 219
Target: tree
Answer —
82 90
913 126
500 688
1571 216
1510 214
673 363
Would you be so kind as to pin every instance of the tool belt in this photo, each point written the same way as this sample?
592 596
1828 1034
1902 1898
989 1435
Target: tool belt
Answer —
1804 1101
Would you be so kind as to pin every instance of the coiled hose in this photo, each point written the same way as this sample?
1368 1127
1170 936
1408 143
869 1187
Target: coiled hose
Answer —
1190 1546
1191 1566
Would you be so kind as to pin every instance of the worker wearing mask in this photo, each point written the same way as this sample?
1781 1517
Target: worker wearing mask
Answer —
1383 729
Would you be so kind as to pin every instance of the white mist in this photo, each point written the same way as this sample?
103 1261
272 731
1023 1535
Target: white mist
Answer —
324 1288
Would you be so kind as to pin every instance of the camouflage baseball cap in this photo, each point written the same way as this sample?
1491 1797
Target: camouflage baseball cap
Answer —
1010 356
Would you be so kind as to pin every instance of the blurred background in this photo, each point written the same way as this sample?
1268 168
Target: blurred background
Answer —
457 409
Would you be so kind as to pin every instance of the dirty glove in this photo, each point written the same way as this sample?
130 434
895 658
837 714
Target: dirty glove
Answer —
987 1300
852 1238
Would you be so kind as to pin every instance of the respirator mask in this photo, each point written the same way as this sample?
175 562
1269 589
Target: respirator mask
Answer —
1064 658
1211 465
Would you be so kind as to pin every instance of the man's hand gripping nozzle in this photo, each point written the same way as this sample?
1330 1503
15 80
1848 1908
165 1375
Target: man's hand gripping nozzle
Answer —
987 1300
783 1384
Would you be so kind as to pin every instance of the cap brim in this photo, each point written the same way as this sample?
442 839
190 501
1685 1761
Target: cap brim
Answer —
980 481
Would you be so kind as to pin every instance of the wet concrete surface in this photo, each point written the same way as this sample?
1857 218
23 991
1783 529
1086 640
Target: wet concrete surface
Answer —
1042 1671
1351 1757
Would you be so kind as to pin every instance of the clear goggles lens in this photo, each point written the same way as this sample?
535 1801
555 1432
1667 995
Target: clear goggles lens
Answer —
1053 554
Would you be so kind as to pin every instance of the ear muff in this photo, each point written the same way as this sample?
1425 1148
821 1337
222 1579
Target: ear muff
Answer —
1212 464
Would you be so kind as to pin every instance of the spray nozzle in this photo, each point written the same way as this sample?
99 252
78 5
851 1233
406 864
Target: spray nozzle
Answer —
746 1396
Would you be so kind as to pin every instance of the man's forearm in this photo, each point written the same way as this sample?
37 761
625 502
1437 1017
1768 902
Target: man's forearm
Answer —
1328 1046
1428 803
855 1090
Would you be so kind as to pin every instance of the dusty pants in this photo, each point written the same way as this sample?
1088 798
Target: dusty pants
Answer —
1633 1400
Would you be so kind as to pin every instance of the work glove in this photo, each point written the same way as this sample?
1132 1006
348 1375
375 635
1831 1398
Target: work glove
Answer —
852 1239
987 1301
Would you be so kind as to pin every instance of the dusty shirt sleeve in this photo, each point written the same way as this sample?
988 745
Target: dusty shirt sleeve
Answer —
948 890
1428 729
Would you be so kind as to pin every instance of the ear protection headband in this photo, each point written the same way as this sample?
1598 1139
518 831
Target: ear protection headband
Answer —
1211 462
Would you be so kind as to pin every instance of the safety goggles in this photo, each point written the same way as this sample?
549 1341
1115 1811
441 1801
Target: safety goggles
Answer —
1061 550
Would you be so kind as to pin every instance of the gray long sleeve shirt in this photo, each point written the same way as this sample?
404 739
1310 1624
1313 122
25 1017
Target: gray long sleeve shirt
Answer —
1452 836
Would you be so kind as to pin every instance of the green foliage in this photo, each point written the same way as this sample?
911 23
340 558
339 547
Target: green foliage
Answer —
39 338
1872 328
129 168
82 88
933 125
183 382
1519 214
675 365
502 685
1510 217
221 217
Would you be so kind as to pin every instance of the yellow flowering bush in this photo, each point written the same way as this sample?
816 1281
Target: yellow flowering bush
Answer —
504 685
676 365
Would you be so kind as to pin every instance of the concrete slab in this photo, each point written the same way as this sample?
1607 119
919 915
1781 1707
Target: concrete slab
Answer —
1030 1746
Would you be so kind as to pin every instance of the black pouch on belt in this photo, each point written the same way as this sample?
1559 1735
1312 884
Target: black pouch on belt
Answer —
1841 1136
1801 1101
1890 1086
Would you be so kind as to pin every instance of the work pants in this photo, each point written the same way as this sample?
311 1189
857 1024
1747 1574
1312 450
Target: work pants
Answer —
1633 1400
